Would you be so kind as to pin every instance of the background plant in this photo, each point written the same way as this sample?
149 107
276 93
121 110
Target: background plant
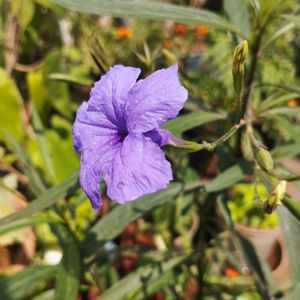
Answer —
177 243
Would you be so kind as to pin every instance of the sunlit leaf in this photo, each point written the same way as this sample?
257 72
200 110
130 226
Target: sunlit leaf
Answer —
191 120
10 108
51 196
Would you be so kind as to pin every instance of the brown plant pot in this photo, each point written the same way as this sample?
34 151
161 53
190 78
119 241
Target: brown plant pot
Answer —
269 245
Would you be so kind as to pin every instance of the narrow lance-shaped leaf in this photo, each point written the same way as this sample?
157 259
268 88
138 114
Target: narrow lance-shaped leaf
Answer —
148 10
228 177
292 206
40 132
22 284
35 181
138 279
293 89
24 223
293 19
286 151
191 120
113 223
237 12
51 196
67 279
290 227
246 248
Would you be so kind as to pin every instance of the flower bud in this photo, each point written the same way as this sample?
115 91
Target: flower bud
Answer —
239 57
275 197
188 146
264 159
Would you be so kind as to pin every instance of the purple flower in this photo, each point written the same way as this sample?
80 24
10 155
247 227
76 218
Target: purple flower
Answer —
118 136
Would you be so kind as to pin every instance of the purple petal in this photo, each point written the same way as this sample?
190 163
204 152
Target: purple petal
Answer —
92 163
89 179
139 168
97 140
90 127
153 101
159 136
110 92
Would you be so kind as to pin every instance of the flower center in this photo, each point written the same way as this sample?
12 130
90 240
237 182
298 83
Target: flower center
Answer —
123 134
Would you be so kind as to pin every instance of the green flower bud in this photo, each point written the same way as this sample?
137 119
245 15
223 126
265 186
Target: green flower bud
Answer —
239 57
264 159
187 146
275 197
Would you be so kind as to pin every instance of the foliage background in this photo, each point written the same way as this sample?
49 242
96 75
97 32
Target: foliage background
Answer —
186 241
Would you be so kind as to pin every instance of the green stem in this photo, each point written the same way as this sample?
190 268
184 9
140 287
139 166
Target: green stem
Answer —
226 136
194 147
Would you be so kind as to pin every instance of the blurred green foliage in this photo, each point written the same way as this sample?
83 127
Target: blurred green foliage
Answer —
182 242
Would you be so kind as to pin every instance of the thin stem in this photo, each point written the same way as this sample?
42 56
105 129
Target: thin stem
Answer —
223 138
229 133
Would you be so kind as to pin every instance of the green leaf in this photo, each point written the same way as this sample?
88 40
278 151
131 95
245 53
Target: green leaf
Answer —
292 206
291 111
70 79
43 146
38 94
23 283
253 262
67 280
141 278
291 228
286 151
24 11
293 89
293 19
275 100
36 183
148 10
279 32
10 107
48 295
227 178
51 196
156 284
246 248
191 120
47 94
237 13
24 223
113 223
